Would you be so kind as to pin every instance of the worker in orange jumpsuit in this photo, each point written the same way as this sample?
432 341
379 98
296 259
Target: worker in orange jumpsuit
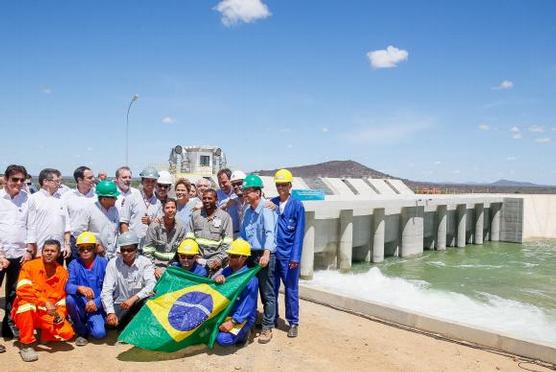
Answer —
40 301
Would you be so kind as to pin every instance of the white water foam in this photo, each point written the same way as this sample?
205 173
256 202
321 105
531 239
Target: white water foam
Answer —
514 318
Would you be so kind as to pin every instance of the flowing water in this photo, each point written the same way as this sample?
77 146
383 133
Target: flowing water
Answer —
505 287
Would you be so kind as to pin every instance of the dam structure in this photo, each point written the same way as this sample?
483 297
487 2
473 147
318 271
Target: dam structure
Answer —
368 219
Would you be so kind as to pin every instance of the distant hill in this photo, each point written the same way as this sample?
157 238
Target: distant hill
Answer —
334 169
510 183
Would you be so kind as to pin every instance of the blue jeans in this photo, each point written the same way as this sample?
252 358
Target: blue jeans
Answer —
266 287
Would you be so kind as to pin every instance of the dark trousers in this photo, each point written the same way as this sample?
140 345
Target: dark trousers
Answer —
266 287
11 273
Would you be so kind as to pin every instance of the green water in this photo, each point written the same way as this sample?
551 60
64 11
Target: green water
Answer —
521 272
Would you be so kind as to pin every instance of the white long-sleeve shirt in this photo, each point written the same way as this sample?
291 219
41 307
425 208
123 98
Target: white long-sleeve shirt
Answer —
135 208
13 224
47 219
101 222
76 203
121 200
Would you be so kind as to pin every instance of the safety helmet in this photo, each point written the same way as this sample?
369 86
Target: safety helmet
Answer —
188 246
165 178
252 180
107 188
127 238
283 176
86 237
240 247
237 175
149 172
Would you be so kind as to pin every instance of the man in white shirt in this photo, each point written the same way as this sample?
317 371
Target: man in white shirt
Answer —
76 202
139 210
13 228
123 180
47 218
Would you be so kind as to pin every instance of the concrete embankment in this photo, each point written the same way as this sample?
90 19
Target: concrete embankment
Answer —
539 216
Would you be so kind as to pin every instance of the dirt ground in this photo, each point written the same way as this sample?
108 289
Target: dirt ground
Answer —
329 340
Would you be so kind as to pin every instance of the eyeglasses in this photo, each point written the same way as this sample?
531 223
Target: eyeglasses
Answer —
55 180
85 249
17 179
187 257
163 186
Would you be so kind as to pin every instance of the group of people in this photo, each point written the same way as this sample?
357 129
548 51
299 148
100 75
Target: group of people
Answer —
116 242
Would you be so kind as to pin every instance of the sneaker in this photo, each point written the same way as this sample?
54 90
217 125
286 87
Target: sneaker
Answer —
292 332
266 336
81 341
28 354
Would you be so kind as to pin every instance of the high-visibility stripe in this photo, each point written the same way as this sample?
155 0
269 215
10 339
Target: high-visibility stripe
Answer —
25 307
62 302
23 282
149 250
227 240
209 242
164 256
190 235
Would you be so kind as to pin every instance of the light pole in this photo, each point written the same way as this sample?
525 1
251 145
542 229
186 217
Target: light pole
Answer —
133 99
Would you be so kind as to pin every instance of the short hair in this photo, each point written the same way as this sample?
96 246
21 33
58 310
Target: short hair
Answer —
47 173
213 191
225 171
79 172
201 180
185 182
123 168
14 169
169 200
52 242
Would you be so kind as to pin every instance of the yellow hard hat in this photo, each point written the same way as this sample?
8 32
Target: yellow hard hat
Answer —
188 246
283 176
86 237
240 247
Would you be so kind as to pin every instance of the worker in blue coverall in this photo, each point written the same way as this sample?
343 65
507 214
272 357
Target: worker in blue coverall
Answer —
86 275
290 228
187 256
235 329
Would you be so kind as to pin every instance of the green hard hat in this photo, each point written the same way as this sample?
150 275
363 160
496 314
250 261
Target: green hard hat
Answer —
107 188
252 180
149 172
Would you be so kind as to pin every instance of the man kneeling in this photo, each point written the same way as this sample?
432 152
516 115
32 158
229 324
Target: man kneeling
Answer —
40 301
235 329
188 254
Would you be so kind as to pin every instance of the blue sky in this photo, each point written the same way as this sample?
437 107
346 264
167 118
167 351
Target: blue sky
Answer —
430 90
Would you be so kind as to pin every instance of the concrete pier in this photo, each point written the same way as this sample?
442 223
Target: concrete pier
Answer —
412 231
479 223
462 225
441 227
378 234
495 218
308 253
346 240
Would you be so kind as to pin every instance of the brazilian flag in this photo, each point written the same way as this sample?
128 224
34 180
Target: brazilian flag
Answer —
187 310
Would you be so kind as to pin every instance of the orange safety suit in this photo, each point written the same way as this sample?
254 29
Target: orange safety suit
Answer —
33 291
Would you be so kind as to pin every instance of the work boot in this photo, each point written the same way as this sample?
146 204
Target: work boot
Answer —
28 354
81 341
266 336
292 332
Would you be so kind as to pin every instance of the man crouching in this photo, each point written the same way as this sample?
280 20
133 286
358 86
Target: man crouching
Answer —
235 329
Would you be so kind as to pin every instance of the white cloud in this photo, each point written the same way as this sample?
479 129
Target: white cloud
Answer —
506 84
536 129
437 162
514 130
46 90
290 146
387 58
511 158
168 120
517 136
542 140
235 11
484 127
325 130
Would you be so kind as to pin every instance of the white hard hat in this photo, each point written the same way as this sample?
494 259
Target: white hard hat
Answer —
237 175
165 178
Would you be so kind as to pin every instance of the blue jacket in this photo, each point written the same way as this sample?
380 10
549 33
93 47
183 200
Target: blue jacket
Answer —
196 269
245 306
80 276
290 229
258 227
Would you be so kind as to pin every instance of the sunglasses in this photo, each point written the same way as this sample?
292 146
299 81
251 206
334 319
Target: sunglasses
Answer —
162 186
86 249
17 179
236 185
127 250
234 256
187 257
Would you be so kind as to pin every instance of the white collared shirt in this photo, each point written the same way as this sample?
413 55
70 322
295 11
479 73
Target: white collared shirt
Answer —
135 208
13 223
47 219
76 203
120 202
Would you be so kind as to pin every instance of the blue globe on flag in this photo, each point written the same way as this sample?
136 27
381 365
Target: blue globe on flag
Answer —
190 311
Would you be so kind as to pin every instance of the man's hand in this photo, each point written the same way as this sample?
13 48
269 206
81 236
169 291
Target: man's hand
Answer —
293 265
112 320
50 309
226 326
146 220
4 263
90 306
220 279
158 271
270 205
214 264
27 256
263 261
101 251
127 304
67 250
86 291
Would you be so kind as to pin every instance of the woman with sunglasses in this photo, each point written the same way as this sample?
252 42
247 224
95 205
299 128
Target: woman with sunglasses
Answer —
86 275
